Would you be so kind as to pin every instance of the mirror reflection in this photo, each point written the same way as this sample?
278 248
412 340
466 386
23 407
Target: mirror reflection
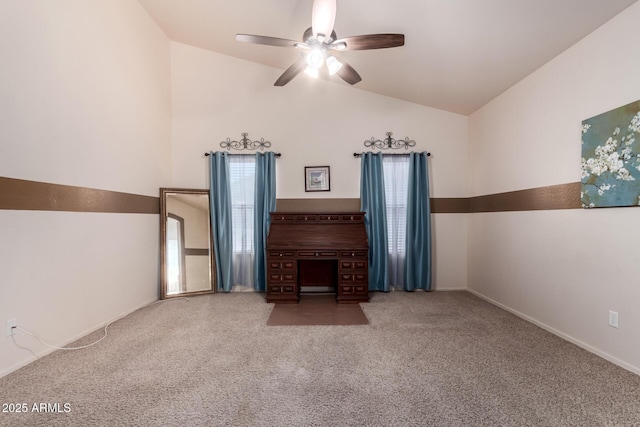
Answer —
187 258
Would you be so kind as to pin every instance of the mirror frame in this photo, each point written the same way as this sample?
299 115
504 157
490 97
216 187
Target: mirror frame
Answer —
163 244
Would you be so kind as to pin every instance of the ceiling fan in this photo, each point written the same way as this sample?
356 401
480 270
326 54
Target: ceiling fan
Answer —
319 44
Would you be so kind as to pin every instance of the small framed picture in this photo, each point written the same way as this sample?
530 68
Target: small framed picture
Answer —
316 178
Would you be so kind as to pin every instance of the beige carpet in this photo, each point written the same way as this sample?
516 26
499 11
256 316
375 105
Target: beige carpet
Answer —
316 310
424 359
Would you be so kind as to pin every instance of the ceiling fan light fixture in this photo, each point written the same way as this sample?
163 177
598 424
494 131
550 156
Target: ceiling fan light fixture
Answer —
333 65
323 16
339 46
315 58
313 72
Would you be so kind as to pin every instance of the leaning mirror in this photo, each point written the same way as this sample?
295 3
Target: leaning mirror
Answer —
188 265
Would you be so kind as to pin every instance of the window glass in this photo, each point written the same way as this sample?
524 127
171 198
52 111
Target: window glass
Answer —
396 181
242 171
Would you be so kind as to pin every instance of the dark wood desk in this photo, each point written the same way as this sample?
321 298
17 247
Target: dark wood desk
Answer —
338 241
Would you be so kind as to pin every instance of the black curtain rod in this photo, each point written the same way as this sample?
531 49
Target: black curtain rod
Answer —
389 154
234 154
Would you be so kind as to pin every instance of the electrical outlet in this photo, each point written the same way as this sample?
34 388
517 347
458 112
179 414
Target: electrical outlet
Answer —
11 323
613 318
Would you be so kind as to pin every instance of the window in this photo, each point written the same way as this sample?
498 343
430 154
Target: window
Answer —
396 182
242 171
175 255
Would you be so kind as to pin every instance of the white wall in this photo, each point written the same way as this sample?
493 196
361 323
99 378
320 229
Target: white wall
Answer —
312 123
562 269
85 102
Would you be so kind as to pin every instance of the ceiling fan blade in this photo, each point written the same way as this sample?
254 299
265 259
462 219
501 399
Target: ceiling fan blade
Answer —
369 41
348 74
323 17
270 41
291 72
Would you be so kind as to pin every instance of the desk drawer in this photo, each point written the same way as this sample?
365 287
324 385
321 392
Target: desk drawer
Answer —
317 254
282 265
353 254
353 290
353 265
275 278
329 218
281 254
282 218
353 278
285 289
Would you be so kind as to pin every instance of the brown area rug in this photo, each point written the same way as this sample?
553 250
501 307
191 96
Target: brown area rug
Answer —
317 310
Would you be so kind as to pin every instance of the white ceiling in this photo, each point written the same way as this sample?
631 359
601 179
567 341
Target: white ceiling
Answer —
458 54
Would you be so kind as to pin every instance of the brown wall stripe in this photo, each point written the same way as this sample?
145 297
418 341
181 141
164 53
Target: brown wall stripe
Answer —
563 196
438 205
196 251
18 194
449 205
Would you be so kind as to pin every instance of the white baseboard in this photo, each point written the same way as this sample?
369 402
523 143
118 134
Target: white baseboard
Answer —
562 335
70 340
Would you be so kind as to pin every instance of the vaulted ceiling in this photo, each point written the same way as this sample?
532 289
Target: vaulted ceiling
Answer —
458 54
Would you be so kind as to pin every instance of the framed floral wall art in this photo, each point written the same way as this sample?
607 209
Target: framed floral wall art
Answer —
611 158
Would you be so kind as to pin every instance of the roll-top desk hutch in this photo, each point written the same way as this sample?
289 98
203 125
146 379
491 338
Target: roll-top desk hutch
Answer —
307 248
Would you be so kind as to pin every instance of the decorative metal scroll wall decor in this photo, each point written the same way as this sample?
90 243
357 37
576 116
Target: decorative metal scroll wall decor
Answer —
245 144
390 143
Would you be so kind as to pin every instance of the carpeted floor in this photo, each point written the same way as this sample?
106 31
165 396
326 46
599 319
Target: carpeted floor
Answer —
424 359
317 310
